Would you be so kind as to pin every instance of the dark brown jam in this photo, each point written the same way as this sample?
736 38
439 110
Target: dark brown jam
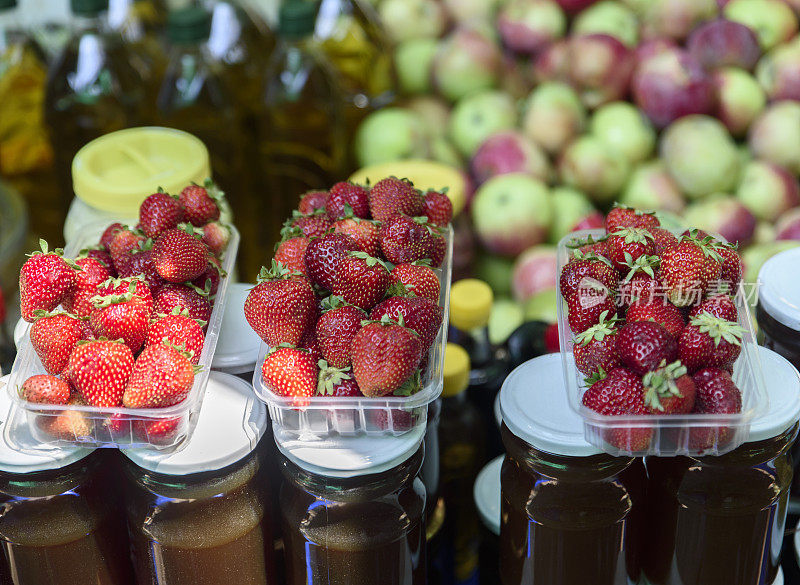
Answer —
778 337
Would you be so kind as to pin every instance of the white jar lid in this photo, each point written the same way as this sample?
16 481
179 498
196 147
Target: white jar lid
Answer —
345 457
783 389
779 288
487 494
535 407
238 345
230 424
47 458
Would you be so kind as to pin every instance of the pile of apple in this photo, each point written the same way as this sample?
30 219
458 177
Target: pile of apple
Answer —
557 108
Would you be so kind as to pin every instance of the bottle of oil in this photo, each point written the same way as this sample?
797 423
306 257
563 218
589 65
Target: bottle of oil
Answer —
26 157
140 23
92 89
301 128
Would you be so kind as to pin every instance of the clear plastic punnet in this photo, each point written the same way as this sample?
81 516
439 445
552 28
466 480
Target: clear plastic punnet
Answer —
335 422
670 434
160 428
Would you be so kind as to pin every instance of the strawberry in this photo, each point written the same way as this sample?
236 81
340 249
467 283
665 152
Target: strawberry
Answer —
585 307
53 337
625 245
589 266
179 256
662 240
156 431
437 248
731 271
216 237
322 258
45 280
642 281
688 268
125 241
122 317
716 392
336 382
177 328
596 348
311 201
133 284
721 306
100 370
108 235
404 240
102 256
363 231
162 376
158 213
209 280
438 208
644 345
589 245
391 197
182 296
361 280
90 275
291 253
45 389
421 315
347 199
622 216
659 311
669 390
290 372
335 330
200 204
418 278
709 342
281 306
698 234
68 425
384 355
141 264
309 343
391 419
311 226
552 342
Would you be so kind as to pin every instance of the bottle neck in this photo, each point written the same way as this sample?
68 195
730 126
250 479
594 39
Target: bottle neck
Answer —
9 28
88 24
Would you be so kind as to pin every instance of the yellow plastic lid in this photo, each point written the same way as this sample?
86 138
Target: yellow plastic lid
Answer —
117 171
470 304
456 370
425 174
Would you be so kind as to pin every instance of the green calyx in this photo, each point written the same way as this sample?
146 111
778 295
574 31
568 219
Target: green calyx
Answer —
191 230
398 289
44 249
718 329
618 205
633 235
411 386
662 383
330 377
277 271
102 302
386 321
708 245
370 260
600 374
42 314
214 191
422 262
599 331
178 311
645 264
103 339
588 241
591 257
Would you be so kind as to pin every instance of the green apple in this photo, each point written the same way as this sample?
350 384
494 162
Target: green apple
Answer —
468 60
542 306
772 20
528 26
740 99
768 190
621 126
478 116
610 18
651 187
774 135
777 71
569 207
495 270
412 19
413 61
506 316
675 18
554 115
590 166
390 134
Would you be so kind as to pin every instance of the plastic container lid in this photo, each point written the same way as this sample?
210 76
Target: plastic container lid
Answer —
779 288
783 388
470 304
230 424
45 459
487 494
117 171
535 407
455 371
238 344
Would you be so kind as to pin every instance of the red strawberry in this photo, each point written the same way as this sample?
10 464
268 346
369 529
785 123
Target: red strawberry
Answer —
158 213
102 257
669 390
53 337
622 216
698 234
312 201
625 245
335 330
596 348
585 307
141 264
291 254
45 280
588 245
437 248
311 226
659 311
644 345
122 317
108 235
620 393
179 256
281 307
216 237
363 231
588 266
688 268
100 370
322 257
209 280
361 280
90 275
337 382
417 313
157 431
136 285
181 296
290 372
45 389
418 278
404 240
178 329
124 242
68 425
438 208
709 342
716 392
641 288
721 306
162 376
200 204
662 240
391 419
731 271
391 197
309 343
552 342
347 199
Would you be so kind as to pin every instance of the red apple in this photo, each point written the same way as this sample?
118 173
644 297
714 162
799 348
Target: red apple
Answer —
575 6
778 72
527 26
774 135
788 225
535 270
772 20
722 43
768 190
595 220
551 63
740 99
509 151
599 68
554 116
652 47
590 166
724 215
675 18
652 187
468 60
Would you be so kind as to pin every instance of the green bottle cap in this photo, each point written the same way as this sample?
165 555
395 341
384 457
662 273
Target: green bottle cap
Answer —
8 4
88 7
297 18
188 25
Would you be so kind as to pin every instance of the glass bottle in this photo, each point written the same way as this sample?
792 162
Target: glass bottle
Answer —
26 156
139 23
301 132
92 90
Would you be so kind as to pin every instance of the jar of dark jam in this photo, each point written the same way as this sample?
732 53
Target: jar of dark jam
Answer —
570 514
720 520
778 308
201 515
355 528
486 493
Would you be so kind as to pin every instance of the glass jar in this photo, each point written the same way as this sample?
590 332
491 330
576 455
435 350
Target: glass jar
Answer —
570 514
359 530
486 493
720 520
778 308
